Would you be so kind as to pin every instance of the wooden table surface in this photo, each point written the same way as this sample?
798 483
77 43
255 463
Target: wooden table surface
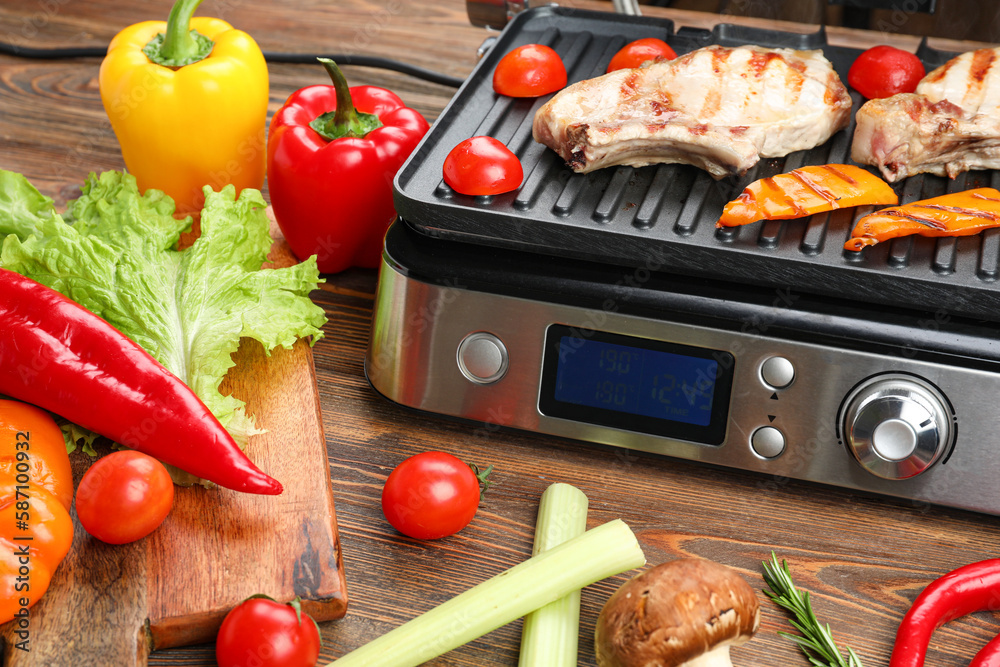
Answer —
863 559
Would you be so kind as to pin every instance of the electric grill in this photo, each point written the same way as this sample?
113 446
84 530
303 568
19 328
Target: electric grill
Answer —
607 308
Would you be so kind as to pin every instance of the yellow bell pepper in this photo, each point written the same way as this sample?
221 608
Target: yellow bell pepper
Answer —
187 99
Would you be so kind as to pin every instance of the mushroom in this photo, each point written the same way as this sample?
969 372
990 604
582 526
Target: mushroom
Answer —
684 612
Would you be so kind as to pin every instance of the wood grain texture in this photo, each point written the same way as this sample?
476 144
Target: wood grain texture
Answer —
863 558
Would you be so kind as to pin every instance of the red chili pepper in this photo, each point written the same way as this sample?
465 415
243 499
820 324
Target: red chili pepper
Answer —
989 655
61 357
971 588
332 152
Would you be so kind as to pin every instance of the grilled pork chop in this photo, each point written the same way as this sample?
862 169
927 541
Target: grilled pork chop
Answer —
718 108
951 124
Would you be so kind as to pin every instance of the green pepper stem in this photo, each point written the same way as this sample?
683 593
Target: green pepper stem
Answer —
178 43
345 120
346 113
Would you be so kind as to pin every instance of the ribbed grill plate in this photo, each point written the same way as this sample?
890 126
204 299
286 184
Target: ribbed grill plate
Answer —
662 218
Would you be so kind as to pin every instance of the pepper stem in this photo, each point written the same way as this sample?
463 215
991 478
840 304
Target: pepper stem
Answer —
180 45
345 120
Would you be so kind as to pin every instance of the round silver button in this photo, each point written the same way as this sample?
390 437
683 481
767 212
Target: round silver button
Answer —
777 372
768 442
894 439
482 358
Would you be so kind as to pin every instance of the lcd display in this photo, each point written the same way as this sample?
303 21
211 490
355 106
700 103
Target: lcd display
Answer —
636 384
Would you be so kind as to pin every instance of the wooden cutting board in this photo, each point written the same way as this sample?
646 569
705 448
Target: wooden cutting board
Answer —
112 605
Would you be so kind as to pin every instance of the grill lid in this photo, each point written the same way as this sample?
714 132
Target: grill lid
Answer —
662 217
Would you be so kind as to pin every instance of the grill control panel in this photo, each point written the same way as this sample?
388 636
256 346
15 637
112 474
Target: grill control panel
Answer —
878 422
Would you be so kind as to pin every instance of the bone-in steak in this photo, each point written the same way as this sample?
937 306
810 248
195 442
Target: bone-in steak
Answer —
718 108
951 124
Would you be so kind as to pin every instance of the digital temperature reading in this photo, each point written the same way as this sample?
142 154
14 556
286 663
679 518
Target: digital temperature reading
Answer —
637 384
643 382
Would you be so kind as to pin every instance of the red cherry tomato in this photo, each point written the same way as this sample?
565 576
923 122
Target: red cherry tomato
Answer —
531 70
482 166
124 497
636 53
265 633
432 495
883 71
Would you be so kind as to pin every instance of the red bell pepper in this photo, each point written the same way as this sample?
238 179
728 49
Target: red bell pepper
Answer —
332 152
970 588
61 357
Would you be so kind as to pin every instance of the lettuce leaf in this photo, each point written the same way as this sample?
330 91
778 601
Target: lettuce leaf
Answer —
115 252
22 206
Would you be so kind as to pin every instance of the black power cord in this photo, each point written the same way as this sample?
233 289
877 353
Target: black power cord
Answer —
51 54
270 56
367 61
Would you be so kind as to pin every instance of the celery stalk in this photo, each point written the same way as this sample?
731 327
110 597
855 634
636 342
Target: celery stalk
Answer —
599 553
550 637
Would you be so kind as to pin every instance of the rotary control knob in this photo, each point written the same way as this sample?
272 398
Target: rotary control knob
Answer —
896 425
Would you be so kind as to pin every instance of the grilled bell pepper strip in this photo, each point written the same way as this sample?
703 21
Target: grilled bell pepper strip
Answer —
36 492
957 214
332 152
806 191
971 588
61 357
189 108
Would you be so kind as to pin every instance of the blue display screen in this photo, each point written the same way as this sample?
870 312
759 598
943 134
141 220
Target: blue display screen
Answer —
657 384
637 384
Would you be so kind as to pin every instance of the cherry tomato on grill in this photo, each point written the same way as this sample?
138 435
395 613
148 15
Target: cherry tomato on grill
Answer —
883 71
482 166
531 70
124 496
636 53
266 633
432 495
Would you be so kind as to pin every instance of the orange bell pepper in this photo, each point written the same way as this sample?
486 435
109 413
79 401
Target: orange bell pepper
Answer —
806 191
36 492
956 214
187 99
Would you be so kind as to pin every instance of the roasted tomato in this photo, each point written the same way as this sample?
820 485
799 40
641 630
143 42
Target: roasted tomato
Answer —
263 632
636 53
883 71
482 166
124 497
432 495
531 70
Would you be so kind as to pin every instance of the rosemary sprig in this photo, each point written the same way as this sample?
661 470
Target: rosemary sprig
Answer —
816 641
